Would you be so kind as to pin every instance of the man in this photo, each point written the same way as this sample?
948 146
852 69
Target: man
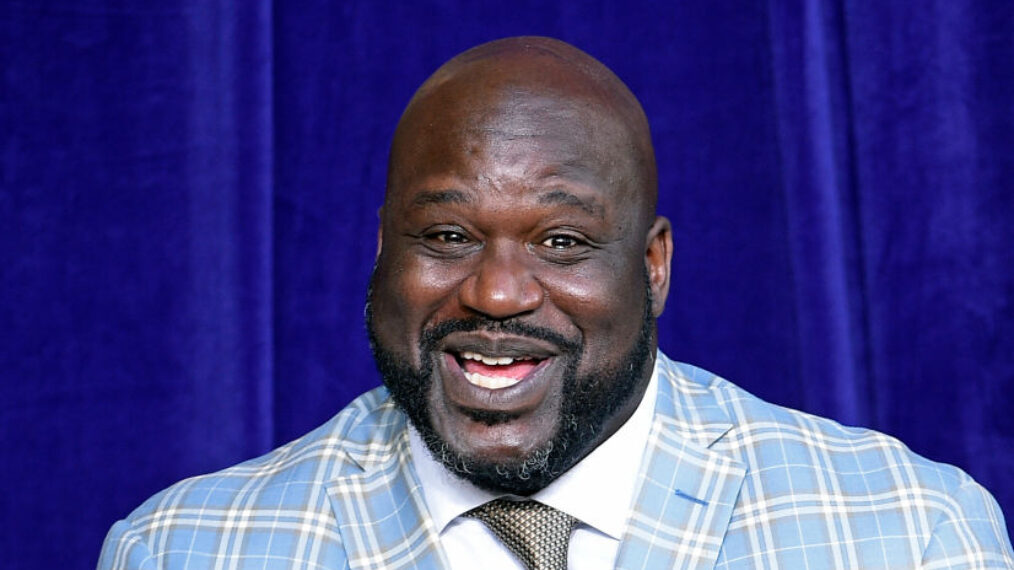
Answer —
520 269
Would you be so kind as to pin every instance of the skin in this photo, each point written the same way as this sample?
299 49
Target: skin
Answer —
521 191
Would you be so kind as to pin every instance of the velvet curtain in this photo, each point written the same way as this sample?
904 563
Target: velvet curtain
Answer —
188 221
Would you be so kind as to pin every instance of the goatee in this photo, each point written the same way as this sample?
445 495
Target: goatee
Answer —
588 402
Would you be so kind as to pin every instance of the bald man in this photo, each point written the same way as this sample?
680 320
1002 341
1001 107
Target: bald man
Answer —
520 269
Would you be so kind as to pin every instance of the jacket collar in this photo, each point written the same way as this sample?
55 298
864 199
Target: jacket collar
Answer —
681 512
378 500
688 489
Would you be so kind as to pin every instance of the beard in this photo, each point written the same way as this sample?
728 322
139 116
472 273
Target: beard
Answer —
588 402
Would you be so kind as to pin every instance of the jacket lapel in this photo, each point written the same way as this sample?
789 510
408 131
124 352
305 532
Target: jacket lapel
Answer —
688 491
378 502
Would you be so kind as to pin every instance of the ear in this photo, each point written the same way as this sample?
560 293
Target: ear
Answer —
658 261
380 232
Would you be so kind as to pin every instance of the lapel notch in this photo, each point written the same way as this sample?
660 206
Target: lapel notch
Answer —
379 504
688 491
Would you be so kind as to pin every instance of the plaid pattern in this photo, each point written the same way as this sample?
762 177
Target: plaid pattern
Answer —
728 481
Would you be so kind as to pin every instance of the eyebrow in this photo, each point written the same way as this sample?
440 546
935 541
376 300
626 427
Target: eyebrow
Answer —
560 197
428 197
593 207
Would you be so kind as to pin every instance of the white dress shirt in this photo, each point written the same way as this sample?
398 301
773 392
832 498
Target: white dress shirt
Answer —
598 491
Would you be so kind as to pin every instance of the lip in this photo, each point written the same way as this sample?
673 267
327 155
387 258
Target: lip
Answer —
498 345
525 396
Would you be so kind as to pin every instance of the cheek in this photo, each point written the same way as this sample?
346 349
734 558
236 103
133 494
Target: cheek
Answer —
606 304
407 295
604 285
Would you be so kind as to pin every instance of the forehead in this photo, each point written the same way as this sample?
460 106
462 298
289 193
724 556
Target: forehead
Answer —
511 138
568 197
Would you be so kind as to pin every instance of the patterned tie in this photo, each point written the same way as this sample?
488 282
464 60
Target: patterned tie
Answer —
538 534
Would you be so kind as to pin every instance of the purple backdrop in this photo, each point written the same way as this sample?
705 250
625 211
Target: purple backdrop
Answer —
188 220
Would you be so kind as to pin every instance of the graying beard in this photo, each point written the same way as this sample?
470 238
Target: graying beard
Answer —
536 461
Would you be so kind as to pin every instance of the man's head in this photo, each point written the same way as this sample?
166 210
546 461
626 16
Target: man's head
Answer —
520 264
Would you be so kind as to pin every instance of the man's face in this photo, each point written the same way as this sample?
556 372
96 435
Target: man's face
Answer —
510 307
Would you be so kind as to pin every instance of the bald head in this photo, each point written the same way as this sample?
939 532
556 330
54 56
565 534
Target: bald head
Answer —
529 87
519 225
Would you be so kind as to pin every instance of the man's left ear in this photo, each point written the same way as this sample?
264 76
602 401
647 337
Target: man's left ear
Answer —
380 233
658 261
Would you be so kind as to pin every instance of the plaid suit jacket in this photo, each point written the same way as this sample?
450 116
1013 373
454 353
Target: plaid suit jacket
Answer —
727 481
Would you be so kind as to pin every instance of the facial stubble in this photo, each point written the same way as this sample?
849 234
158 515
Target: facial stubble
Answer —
588 402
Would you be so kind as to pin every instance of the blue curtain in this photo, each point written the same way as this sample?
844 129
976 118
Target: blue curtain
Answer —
188 221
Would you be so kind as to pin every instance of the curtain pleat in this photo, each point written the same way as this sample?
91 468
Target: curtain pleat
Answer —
813 110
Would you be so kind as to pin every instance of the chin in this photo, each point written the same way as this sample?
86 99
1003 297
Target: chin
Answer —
502 454
518 473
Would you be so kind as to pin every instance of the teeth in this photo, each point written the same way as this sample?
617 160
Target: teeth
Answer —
489 382
492 360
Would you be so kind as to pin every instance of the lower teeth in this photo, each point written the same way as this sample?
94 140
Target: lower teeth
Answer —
490 382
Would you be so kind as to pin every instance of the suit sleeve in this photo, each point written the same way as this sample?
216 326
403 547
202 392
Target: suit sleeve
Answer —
123 549
971 533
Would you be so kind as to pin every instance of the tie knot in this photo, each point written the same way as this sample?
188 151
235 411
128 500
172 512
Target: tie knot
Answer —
536 533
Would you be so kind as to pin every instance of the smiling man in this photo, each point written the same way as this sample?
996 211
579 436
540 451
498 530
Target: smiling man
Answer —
520 262
520 268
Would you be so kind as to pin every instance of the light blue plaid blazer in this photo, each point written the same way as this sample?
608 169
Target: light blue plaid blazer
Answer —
727 481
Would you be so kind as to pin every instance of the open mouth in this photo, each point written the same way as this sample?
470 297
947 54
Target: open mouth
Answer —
496 372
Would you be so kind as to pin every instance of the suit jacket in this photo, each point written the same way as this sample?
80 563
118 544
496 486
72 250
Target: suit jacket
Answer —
727 481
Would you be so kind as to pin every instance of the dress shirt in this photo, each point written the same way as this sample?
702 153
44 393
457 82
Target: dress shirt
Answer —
598 491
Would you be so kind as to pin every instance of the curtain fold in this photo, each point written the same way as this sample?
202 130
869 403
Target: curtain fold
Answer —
813 101
227 182
932 117
136 272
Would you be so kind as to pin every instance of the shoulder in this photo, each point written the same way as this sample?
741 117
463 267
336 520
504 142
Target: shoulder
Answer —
278 500
295 467
808 475
764 435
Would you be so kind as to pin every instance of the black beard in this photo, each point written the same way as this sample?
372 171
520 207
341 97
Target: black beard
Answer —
588 402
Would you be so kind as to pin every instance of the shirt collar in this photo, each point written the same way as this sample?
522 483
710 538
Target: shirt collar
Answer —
612 466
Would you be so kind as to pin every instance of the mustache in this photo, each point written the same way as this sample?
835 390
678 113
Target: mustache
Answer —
432 335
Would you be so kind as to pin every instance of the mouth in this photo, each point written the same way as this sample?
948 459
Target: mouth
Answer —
495 395
484 370
496 372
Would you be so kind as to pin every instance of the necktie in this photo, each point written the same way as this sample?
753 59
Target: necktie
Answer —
537 534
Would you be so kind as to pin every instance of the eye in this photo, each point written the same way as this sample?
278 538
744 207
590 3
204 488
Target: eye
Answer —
561 242
447 241
448 237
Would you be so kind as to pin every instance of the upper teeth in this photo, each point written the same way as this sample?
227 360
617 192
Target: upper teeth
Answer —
492 360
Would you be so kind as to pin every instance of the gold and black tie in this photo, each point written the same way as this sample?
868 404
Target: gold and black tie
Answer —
537 534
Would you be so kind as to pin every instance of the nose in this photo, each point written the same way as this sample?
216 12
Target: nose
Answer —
502 284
